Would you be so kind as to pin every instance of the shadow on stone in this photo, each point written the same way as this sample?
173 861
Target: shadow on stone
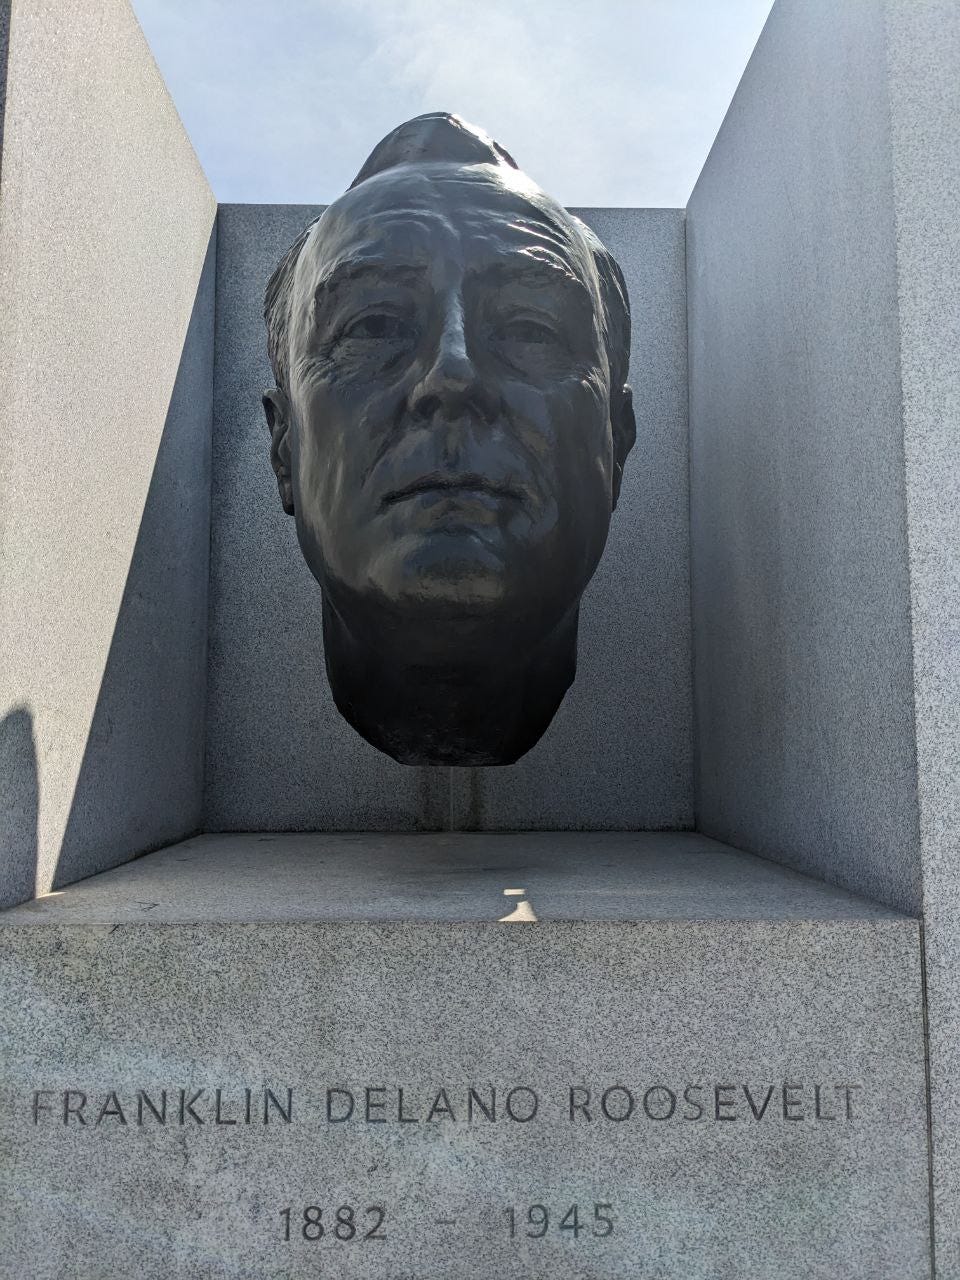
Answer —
19 803
140 781
4 51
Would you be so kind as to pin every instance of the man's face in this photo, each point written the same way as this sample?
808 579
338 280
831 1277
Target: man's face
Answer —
449 401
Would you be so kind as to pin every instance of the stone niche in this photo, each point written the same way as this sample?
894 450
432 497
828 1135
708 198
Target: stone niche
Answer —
675 996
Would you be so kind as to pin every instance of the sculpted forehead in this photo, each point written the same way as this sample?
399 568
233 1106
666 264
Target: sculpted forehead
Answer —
478 212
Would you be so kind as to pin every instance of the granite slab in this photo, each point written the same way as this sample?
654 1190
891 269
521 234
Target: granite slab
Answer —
107 247
346 876
330 1056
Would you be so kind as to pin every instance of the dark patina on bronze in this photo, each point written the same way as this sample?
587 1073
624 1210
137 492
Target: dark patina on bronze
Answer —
449 427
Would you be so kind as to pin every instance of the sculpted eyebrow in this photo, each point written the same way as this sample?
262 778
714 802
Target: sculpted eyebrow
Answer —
535 272
347 273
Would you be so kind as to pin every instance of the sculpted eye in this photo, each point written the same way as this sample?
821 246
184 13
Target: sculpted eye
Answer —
526 330
379 326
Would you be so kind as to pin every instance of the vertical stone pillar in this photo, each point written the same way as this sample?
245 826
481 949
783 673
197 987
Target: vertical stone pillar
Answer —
106 233
923 50
824 323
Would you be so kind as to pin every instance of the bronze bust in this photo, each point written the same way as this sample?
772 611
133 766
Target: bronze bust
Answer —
449 427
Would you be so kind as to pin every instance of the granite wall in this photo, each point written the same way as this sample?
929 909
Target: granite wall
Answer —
824 345
923 58
801 598
4 47
106 275
619 752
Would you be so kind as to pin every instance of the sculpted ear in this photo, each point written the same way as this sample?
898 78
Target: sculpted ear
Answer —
624 426
277 410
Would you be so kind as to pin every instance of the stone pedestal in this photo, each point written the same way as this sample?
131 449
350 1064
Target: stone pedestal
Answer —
587 1055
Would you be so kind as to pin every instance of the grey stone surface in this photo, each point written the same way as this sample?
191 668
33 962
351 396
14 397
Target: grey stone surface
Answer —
801 601
619 751
656 1002
825 395
923 57
560 875
105 408
4 49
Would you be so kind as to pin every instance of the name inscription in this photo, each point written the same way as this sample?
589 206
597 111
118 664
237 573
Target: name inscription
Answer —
681 1102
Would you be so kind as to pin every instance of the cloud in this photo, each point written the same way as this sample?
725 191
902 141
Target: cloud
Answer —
612 103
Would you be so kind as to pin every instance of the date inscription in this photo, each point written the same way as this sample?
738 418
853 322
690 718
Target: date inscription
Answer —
317 1222
536 1221
347 1223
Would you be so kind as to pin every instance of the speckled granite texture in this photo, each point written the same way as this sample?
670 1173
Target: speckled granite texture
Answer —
924 60
4 48
619 752
824 320
746 1095
801 598
456 877
106 364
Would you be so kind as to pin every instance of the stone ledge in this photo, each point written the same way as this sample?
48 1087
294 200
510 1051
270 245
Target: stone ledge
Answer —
587 876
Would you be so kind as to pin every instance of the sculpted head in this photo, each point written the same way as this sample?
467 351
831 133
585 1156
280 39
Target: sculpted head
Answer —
448 429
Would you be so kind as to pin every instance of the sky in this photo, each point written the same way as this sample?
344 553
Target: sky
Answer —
603 102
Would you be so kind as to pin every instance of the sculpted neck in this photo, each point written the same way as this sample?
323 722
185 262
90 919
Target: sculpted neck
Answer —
485 708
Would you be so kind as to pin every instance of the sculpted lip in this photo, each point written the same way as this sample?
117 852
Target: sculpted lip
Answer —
436 482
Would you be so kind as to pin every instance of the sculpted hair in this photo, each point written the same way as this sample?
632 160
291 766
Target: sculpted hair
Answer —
276 306
442 137
615 303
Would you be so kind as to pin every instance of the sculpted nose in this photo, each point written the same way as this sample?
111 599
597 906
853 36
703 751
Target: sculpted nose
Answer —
451 383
